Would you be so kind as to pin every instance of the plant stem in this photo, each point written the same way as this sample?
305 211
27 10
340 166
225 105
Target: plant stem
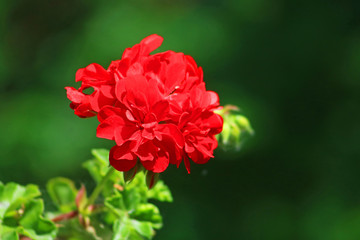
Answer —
65 216
99 187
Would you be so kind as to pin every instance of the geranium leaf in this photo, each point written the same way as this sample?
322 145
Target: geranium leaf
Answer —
94 169
160 192
63 193
132 198
98 166
8 233
9 236
116 205
148 213
102 155
13 195
122 229
143 228
33 225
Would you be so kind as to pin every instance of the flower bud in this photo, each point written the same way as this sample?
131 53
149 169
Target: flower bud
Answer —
236 128
151 179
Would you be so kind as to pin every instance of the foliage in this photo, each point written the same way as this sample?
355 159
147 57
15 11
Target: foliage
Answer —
116 209
21 213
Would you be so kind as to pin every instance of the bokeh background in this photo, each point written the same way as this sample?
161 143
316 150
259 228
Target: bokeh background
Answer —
292 66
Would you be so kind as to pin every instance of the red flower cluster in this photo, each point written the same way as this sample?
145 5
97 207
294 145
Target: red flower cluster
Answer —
155 107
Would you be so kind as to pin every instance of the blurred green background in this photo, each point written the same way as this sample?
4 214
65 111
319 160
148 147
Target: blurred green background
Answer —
292 66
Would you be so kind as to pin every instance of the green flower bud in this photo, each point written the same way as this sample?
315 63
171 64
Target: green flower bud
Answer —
236 128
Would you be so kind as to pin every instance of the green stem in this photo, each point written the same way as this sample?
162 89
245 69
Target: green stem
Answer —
99 187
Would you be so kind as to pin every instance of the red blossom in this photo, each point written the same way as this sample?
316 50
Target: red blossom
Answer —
155 107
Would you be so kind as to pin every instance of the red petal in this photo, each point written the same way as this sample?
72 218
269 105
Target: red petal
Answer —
147 151
146 46
74 95
121 158
107 128
136 88
135 69
140 93
116 126
83 110
168 145
172 131
214 122
175 73
94 74
159 164
213 99
109 111
125 133
150 43
187 163
160 110
198 157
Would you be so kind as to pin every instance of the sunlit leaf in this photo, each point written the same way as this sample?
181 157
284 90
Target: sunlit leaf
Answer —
94 168
63 193
8 233
102 155
122 230
33 225
13 195
143 228
148 213
132 198
160 192
116 205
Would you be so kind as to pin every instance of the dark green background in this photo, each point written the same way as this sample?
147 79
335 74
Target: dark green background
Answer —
292 66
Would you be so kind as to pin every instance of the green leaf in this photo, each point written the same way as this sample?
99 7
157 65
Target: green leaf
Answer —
132 198
29 223
116 205
94 168
98 167
122 229
33 225
63 193
9 236
160 192
148 213
138 184
102 155
8 233
143 228
13 195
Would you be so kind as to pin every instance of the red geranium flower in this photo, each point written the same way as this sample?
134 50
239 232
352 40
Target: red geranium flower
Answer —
139 126
194 115
155 108
102 81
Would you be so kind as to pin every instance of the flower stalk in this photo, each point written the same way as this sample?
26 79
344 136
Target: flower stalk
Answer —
99 188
